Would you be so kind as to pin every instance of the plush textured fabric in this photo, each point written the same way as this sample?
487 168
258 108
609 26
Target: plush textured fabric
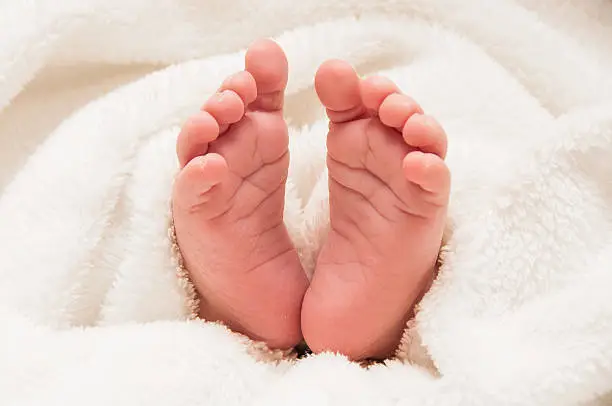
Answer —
92 94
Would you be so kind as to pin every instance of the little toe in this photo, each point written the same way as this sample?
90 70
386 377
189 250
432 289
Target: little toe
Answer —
430 173
337 86
267 63
243 84
426 134
396 109
226 107
196 134
197 178
375 89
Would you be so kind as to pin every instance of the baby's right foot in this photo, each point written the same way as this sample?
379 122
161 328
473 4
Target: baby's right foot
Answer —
388 194
228 205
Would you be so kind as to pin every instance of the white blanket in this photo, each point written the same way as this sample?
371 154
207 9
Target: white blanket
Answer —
92 94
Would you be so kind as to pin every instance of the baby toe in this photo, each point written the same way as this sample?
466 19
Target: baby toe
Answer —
337 86
243 84
375 89
197 132
423 132
430 173
196 179
226 107
267 63
396 109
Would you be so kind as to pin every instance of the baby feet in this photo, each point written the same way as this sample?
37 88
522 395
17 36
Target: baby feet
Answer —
228 204
388 194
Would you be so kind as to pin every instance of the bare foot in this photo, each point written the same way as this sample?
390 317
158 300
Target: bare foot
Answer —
228 204
388 195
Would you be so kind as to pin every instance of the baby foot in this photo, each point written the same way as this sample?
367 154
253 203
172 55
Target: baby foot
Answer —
228 204
388 195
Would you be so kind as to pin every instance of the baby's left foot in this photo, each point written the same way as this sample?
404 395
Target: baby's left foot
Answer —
388 195
228 204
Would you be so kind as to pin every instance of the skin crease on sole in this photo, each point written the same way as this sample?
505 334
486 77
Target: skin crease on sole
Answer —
388 191
388 188
228 204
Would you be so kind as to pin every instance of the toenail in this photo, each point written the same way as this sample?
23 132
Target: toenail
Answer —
427 121
422 118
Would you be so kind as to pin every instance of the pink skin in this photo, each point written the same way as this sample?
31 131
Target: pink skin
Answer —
228 204
388 195
388 189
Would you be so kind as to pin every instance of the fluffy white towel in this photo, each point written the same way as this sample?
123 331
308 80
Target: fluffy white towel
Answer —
92 94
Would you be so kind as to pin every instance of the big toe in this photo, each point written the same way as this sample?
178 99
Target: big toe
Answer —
337 86
267 63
